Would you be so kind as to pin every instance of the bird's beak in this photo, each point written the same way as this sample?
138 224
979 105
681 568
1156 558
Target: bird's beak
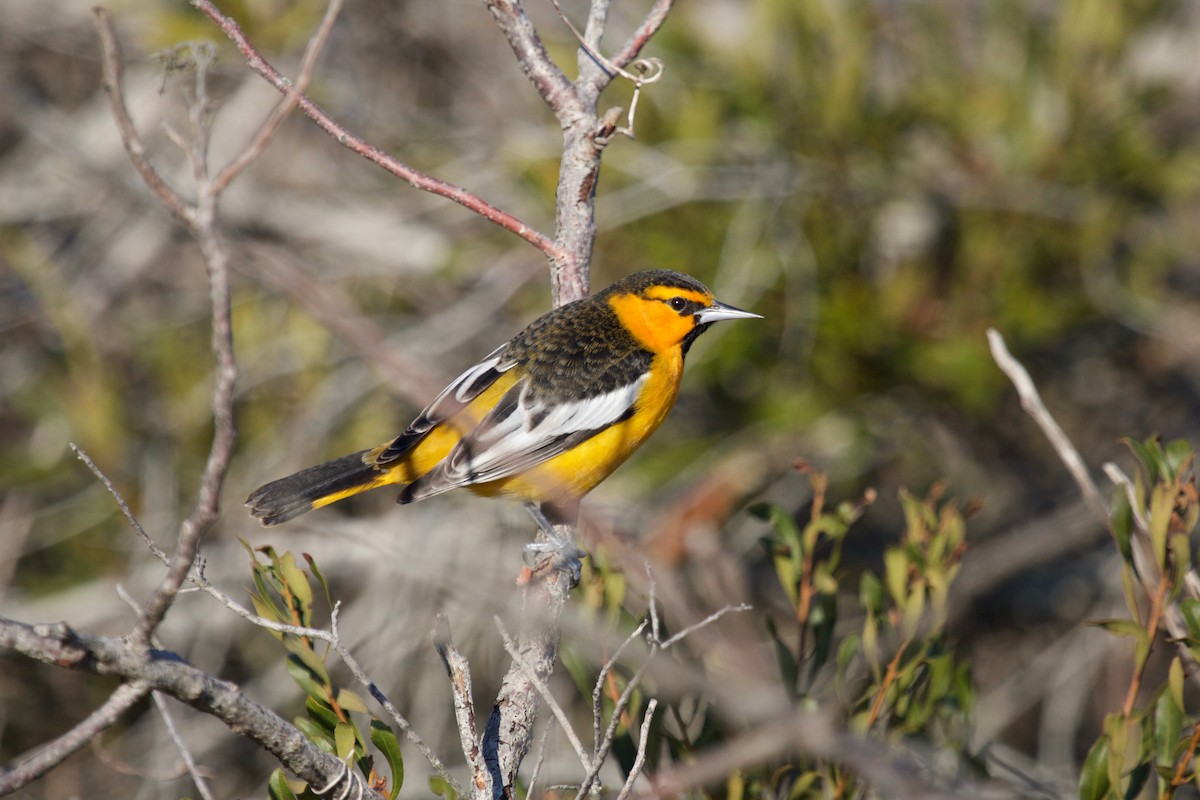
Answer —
719 311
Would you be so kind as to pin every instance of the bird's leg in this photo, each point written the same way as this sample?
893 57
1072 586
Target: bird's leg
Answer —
555 525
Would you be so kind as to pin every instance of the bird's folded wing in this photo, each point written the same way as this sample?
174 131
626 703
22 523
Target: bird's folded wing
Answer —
521 432
453 399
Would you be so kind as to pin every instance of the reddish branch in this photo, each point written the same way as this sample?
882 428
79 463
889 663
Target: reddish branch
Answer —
415 178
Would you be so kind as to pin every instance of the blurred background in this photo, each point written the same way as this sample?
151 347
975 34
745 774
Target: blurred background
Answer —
881 180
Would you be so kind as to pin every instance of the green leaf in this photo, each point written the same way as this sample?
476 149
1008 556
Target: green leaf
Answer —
343 740
297 582
303 651
1162 503
320 712
438 785
316 733
1190 607
316 573
351 701
1121 520
278 788
1168 723
303 676
1093 776
1176 455
870 593
1175 681
895 575
385 741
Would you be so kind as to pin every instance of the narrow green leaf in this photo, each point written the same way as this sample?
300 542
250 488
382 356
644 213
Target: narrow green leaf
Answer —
1168 723
297 581
278 788
1162 503
316 733
870 593
303 651
320 712
895 575
320 577
385 741
1176 455
304 677
1175 681
1093 776
789 670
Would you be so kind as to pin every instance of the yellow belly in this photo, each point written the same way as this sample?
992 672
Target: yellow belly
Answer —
567 476
577 471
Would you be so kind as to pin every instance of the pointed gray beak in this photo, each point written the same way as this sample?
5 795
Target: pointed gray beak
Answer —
719 311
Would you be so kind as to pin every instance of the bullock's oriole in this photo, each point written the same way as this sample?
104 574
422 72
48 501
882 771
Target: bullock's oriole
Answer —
543 418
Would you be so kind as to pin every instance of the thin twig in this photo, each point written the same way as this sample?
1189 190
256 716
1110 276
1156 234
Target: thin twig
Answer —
278 114
189 760
537 762
1031 401
544 690
458 669
53 753
121 504
640 760
417 179
113 77
710 619
598 690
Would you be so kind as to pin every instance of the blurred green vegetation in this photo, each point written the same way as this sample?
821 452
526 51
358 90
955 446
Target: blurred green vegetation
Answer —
882 181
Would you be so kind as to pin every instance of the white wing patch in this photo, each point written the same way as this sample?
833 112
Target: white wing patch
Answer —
461 391
520 433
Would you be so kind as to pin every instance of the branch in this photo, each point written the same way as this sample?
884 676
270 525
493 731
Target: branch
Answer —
164 671
459 672
544 690
113 78
267 131
554 87
54 753
413 177
1031 401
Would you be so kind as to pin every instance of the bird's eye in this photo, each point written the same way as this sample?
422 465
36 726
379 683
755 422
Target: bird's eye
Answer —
678 303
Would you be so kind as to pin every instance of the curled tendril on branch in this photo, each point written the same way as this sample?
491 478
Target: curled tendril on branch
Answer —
649 70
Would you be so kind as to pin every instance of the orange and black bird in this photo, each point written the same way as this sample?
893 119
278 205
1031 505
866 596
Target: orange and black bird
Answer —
543 418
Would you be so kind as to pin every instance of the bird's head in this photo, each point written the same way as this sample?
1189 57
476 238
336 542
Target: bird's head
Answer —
665 309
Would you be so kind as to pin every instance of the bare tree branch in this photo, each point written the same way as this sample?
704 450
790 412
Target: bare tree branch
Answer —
113 78
544 690
639 760
413 177
267 130
54 753
459 672
167 672
554 87
1031 401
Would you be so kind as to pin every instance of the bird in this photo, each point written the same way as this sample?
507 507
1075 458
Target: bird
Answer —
543 418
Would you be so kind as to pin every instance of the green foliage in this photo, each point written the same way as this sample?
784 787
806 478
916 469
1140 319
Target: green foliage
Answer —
283 593
889 670
1152 744
873 649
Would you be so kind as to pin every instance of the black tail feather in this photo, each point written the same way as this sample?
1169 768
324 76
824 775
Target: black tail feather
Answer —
292 496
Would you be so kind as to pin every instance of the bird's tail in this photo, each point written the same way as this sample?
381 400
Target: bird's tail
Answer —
315 487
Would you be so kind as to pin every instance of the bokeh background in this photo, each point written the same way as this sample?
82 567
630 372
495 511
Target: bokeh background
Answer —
882 180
